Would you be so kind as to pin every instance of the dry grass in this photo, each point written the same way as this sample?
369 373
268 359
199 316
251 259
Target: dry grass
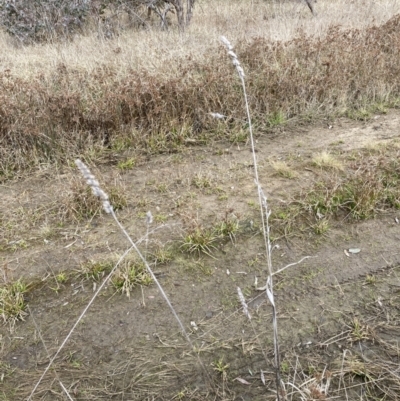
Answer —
328 161
283 169
156 51
360 189
155 90
78 202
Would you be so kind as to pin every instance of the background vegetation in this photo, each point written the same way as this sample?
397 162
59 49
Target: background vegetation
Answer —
156 89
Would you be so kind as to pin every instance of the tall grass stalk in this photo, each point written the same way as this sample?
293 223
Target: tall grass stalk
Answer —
97 191
93 183
265 213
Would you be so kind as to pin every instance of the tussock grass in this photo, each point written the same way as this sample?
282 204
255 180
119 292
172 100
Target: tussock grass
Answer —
12 302
205 240
95 270
132 273
326 160
361 189
69 105
79 203
283 169
199 240
163 254
228 227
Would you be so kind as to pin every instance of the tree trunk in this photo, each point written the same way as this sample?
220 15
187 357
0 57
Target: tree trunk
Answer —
183 11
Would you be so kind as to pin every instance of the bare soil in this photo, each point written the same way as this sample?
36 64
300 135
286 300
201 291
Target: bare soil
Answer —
338 311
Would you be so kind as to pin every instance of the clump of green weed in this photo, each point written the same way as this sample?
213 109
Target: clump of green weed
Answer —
359 331
221 367
160 218
61 277
370 279
127 164
201 181
12 301
239 135
276 118
200 240
321 226
163 255
95 270
131 274
228 227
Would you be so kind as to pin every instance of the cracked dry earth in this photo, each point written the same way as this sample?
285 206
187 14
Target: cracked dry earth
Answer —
130 348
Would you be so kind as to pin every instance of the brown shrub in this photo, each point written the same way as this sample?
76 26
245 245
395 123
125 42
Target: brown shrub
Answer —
60 117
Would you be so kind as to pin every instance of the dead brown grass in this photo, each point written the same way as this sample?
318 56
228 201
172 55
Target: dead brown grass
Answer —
60 106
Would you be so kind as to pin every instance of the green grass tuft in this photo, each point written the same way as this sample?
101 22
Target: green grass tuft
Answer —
12 301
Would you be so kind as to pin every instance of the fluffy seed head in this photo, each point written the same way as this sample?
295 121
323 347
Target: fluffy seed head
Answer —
149 218
233 56
218 116
243 302
94 185
226 42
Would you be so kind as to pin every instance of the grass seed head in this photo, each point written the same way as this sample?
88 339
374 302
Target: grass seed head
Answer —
243 303
94 185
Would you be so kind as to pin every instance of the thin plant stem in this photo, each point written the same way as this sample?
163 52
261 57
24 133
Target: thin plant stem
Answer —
97 191
154 278
262 200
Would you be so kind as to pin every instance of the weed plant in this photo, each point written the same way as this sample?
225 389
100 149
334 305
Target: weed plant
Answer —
132 273
95 270
351 191
12 302
200 240
204 240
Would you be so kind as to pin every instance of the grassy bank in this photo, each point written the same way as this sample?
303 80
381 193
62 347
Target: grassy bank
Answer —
86 97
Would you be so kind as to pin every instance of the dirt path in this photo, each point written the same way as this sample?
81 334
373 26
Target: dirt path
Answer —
128 348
